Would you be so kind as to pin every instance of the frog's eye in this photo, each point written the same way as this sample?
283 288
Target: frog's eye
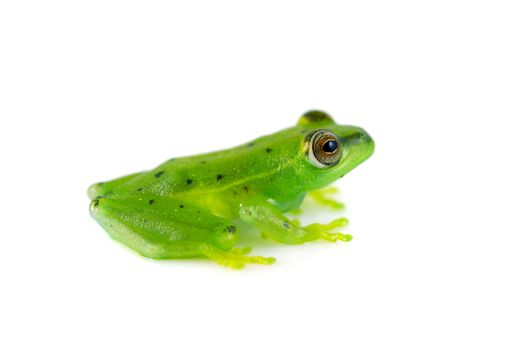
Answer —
324 149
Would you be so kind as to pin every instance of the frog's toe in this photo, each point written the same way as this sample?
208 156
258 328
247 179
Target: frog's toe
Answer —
235 264
340 222
236 258
334 237
241 255
323 230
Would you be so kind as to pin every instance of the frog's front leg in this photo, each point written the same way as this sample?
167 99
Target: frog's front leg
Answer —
271 222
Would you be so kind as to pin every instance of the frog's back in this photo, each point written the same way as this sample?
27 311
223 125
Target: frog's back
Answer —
237 171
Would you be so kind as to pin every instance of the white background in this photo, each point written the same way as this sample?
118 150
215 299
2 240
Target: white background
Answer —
92 90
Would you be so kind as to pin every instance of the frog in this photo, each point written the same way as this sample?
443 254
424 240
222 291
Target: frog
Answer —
195 206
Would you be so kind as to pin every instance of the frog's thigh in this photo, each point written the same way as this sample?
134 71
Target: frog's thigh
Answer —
163 228
104 188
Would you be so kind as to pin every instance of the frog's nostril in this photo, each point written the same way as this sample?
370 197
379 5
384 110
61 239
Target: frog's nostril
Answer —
367 143
354 138
365 138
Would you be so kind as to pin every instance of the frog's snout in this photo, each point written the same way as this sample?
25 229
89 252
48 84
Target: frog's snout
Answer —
367 142
366 146
359 142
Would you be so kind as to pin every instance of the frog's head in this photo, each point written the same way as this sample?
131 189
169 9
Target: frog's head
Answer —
331 150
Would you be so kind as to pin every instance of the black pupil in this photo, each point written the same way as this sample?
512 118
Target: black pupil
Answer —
330 146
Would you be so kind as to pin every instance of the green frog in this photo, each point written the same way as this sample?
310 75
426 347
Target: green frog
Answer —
191 206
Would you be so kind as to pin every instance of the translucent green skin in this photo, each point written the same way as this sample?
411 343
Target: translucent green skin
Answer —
186 207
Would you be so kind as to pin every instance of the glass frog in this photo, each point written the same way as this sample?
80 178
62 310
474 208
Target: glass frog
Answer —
189 207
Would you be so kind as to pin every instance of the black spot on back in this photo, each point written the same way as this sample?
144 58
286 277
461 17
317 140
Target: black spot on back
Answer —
219 177
95 203
151 201
268 150
139 189
231 229
159 174
181 206
246 189
189 181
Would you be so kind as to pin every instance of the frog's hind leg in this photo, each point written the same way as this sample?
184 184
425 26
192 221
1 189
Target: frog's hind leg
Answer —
168 228
105 188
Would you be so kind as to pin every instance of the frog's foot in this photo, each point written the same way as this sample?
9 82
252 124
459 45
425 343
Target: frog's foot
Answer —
322 231
236 257
322 197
